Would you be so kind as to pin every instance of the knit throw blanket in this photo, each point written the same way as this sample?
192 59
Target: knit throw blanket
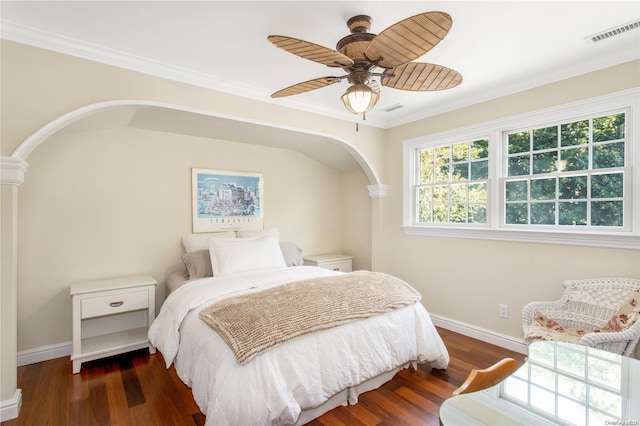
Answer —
253 323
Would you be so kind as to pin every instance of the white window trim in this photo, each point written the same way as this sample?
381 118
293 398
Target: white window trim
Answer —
626 239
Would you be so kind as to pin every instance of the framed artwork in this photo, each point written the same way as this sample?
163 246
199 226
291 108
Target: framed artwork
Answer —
226 200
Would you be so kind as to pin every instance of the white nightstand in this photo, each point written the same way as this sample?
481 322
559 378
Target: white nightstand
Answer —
335 262
111 317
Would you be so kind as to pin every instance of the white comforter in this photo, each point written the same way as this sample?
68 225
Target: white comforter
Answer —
300 374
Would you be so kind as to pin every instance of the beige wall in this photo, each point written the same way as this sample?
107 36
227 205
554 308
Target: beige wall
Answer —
39 86
115 202
465 280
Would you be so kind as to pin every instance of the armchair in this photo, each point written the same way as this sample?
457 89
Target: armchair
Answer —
603 313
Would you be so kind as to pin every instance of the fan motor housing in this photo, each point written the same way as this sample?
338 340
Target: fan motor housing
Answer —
354 45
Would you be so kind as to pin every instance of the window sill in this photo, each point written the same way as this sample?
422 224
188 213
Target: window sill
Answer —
608 240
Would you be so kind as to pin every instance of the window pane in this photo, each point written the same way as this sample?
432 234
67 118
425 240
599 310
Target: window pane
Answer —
574 187
545 162
480 149
424 212
519 142
572 213
442 173
576 133
575 159
461 152
477 213
480 170
516 190
441 194
458 213
543 189
608 128
458 194
607 186
440 213
443 154
608 155
519 165
607 213
460 172
516 213
426 166
546 138
543 213
478 193
425 195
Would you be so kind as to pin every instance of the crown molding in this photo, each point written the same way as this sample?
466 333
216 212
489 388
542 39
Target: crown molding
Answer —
67 45
532 81
24 34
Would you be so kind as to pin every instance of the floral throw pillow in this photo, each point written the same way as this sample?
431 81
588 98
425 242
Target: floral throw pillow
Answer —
546 328
628 314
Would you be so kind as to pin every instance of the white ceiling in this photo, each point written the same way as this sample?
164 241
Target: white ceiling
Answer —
499 47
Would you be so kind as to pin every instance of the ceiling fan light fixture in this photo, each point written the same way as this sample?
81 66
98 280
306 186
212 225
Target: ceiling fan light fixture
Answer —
360 98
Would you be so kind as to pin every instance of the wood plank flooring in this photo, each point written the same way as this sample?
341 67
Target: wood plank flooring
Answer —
137 389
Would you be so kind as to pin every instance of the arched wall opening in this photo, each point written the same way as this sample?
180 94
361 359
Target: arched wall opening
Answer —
87 218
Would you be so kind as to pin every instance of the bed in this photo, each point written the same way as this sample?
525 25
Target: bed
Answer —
295 379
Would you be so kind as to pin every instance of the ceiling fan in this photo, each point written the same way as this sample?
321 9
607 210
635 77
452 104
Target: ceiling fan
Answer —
361 54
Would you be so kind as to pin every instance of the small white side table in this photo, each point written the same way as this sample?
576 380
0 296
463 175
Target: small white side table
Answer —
101 327
335 262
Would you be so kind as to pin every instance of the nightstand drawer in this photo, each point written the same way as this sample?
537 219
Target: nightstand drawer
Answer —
338 265
114 304
334 262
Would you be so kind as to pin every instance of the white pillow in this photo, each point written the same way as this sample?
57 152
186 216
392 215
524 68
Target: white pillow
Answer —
231 256
257 233
195 242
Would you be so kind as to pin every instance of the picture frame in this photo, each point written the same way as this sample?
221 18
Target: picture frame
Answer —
225 200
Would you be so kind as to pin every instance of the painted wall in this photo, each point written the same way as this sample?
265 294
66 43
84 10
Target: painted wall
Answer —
465 280
117 201
88 192
87 196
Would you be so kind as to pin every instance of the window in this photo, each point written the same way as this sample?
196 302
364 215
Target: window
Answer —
563 175
453 183
570 174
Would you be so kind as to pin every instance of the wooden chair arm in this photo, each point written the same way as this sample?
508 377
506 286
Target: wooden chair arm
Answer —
482 379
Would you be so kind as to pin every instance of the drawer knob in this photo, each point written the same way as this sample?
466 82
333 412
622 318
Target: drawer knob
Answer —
115 304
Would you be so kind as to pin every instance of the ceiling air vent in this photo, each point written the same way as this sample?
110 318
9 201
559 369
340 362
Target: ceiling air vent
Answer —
613 31
392 107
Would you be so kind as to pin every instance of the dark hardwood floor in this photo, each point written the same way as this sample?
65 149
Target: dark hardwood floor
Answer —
137 389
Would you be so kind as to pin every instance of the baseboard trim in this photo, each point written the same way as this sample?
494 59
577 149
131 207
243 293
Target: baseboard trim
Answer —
10 408
44 353
498 339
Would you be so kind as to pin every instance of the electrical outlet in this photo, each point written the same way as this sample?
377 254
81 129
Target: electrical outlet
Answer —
504 311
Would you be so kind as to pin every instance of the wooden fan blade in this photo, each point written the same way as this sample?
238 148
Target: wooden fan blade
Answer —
409 39
418 76
311 51
306 86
